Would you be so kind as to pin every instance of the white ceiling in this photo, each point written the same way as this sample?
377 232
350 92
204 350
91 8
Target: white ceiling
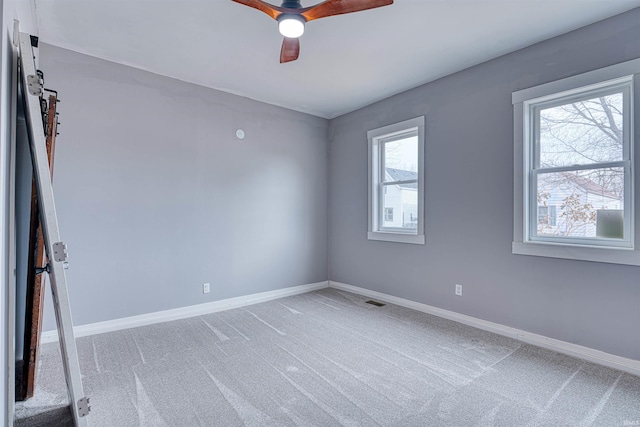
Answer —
346 61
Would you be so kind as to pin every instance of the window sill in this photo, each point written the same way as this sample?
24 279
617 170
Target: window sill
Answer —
416 239
623 256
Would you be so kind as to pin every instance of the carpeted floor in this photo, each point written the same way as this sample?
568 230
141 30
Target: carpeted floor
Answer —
327 358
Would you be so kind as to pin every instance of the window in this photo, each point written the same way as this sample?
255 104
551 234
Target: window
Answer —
396 183
546 217
574 165
580 160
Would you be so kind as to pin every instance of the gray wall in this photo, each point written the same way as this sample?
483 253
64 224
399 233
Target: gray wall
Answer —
156 196
469 203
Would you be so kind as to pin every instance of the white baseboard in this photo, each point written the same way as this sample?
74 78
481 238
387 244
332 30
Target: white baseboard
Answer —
596 356
182 313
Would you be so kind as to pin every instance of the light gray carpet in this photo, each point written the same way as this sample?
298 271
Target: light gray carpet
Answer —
327 358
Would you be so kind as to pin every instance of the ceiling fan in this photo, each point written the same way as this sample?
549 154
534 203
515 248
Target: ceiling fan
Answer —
291 17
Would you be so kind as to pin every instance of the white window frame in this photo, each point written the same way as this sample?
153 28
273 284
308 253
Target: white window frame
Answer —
625 77
532 109
376 140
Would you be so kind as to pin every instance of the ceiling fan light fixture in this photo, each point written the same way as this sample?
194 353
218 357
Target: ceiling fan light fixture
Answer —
291 26
292 17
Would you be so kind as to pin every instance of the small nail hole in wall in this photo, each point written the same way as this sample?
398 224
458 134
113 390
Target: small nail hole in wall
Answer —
240 134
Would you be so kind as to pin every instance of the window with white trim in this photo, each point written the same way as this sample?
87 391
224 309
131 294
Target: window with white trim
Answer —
574 167
396 182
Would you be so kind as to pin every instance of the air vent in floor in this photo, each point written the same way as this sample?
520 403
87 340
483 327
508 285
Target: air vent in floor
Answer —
376 303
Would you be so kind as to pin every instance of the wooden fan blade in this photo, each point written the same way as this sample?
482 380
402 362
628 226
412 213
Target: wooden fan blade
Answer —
290 50
339 7
269 9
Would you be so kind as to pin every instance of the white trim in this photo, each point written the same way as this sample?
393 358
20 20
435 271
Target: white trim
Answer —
396 237
623 86
183 312
610 255
596 356
525 241
395 128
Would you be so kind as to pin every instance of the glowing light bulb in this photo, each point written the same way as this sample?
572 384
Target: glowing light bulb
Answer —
291 26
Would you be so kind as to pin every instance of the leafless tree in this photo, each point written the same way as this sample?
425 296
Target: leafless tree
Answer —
582 133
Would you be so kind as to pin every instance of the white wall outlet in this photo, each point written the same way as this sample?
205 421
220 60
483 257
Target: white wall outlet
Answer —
206 288
458 290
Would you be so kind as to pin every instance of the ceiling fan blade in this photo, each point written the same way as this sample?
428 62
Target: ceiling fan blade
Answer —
339 7
290 50
269 9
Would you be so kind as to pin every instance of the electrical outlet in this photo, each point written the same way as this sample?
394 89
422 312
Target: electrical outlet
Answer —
206 288
458 290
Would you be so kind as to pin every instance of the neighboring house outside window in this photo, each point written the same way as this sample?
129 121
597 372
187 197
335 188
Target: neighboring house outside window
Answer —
388 216
546 217
569 206
573 167
396 182
402 198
